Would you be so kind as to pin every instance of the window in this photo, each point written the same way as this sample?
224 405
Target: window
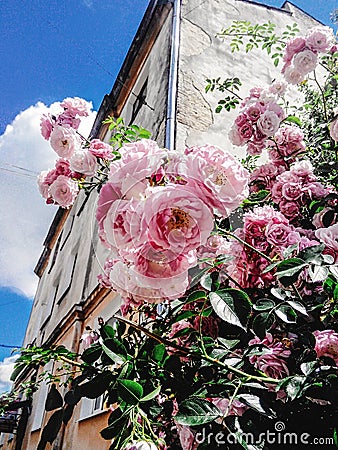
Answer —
39 400
91 407
139 101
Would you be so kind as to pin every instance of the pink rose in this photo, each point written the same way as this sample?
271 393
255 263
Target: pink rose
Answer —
294 46
122 225
235 136
43 185
272 363
84 162
329 237
177 219
88 338
139 161
101 149
327 344
64 141
187 437
319 39
46 126
293 75
281 235
108 194
235 408
334 130
292 191
278 88
289 209
268 123
64 191
62 167
216 178
67 119
76 106
305 61
141 445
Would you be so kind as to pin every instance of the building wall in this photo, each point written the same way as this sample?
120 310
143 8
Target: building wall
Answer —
203 55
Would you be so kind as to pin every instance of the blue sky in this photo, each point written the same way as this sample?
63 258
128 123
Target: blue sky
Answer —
52 50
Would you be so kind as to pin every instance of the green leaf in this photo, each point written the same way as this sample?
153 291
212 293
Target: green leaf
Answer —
116 423
17 370
130 391
54 399
262 323
232 306
264 304
151 395
97 385
159 352
289 269
117 358
107 331
286 313
196 411
257 404
52 427
92 353
293 119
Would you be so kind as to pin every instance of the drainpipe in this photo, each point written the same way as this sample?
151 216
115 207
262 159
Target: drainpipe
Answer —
173 78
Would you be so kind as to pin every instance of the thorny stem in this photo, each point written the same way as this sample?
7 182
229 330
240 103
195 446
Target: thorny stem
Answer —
247 245
204 356
322 95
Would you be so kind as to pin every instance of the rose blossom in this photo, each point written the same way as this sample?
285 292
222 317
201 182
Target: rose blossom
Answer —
235 136
318 218
295 45
46 126
88 338
108 194
329 237
216 178
319 39
64 141
235 408
305 61
122 225
292 75
273 361
62 167
334 130
139 161
76 106
187 437
43 185
84 162
176 219
268 123
67 119
289 209
281 235
327 344
141 445
64 191
101 149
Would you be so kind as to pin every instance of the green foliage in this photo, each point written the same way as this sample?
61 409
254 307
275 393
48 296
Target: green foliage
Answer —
124 134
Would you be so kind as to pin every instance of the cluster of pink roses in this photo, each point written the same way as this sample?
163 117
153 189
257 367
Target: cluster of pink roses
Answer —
301 53
258 120
268 231
295 188
157 209
78 159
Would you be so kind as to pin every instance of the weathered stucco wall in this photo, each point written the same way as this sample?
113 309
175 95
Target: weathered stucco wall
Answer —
203 55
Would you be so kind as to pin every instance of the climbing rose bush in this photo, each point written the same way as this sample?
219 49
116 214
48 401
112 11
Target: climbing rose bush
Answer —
226 269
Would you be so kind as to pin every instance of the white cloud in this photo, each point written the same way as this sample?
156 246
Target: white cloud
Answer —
25 218
6 369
